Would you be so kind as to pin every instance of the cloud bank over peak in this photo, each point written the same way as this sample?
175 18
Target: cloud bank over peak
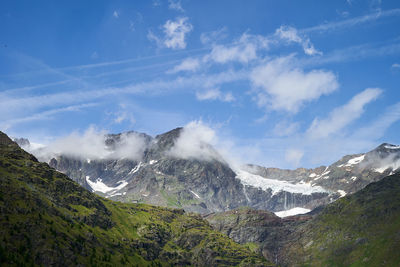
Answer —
92 145
196 141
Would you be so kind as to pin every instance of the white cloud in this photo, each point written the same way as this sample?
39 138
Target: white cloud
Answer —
94 55
156 3
175 32
215 94
195 141
188 64
294 156
280 85
176 5
213 36
285 128
45 115
329 26
91 145
244 50
115 14
377 128
395 65
342 116
291 35
124 116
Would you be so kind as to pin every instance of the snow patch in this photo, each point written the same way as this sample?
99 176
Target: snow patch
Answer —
342 193
276 185
88 160
152 162
196 195
355 161
291 212
134 170
392 147
312 175
322 175
99 186
353 178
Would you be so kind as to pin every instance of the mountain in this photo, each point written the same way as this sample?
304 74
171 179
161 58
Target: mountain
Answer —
209 183
346 176
48 219
197 184
361 229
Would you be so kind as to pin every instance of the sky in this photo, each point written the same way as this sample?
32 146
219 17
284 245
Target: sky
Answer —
278 83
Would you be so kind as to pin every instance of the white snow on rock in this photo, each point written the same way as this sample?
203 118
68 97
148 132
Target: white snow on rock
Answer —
196 195
312 175
354 178
276 185
99 186
322 175
152 162
291 212
355 160
392 147
342 193
134 170
88 160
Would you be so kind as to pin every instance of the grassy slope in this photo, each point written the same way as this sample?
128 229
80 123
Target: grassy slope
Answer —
362 229
46 218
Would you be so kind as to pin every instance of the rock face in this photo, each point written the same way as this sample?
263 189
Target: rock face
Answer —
212 185
48 219
262 231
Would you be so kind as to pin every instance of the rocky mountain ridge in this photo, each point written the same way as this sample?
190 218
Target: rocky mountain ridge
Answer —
212 185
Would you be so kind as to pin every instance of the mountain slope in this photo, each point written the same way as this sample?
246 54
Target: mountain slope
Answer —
47 219
362 229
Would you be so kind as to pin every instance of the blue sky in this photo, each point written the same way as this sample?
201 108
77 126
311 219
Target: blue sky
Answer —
280 83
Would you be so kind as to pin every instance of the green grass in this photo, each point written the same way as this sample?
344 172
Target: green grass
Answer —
362 229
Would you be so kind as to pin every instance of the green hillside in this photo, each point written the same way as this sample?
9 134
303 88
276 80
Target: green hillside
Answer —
362 229
47 219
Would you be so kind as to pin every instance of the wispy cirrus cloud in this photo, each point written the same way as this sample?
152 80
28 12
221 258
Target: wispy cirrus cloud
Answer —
175 5
291 35
188 64
45 115
214 94
343 115
347 23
